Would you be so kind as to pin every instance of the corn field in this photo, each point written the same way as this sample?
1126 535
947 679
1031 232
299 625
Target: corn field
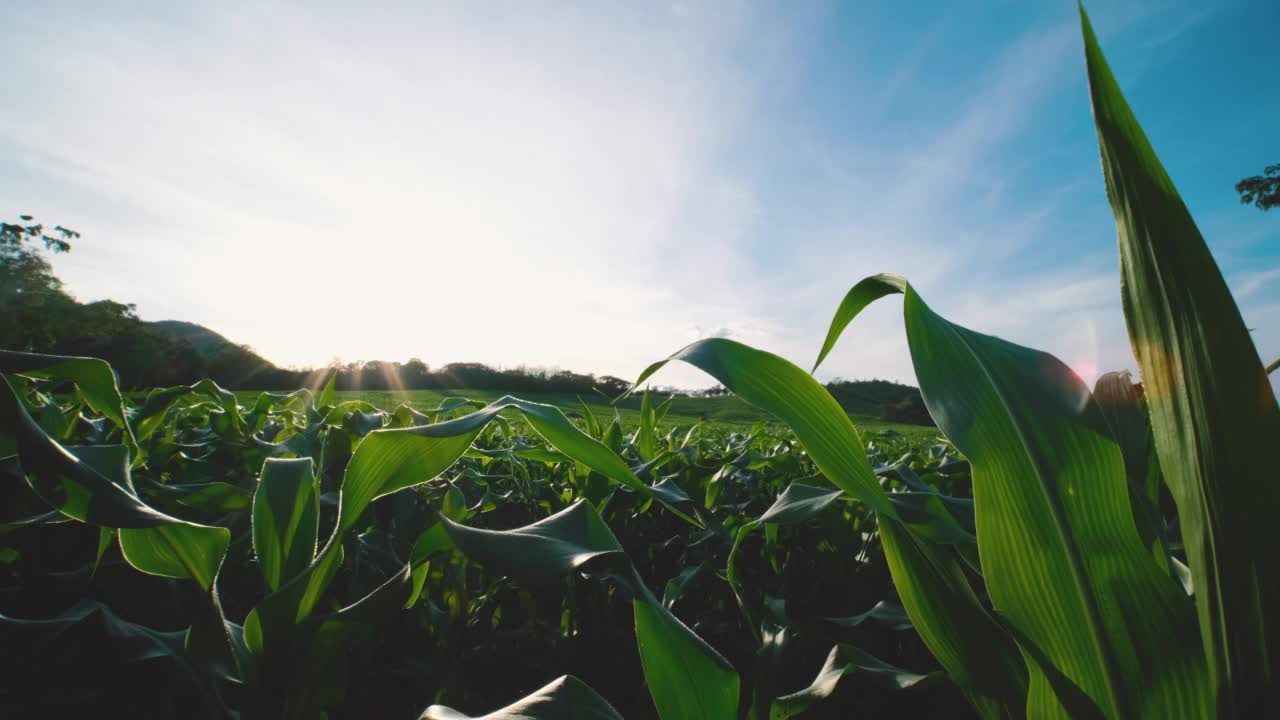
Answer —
1056 551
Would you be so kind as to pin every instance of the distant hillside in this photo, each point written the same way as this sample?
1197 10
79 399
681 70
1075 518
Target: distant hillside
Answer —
207 343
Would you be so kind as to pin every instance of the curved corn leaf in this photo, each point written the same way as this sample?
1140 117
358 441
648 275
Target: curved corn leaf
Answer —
779 387
798 503
687 678
1060 551
891 616
841 661
112 663
973 648
390 460
544 551
176 548
1213 412
867 291
565 698
63 481
93 377
286 518
92 484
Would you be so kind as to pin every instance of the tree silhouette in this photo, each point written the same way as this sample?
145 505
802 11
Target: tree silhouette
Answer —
1261 190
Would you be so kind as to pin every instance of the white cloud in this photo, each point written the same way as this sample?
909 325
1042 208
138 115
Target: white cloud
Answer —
454 183
551 186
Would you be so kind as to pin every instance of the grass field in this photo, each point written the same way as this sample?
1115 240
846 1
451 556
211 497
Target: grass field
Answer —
684 410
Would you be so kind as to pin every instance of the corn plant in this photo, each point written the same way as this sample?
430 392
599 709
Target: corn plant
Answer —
1101 626
1035 550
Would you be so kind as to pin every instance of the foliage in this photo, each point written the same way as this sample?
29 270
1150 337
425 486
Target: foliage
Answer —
1261 191
468 551
1063 552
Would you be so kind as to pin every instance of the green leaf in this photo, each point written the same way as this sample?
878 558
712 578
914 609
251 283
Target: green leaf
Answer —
94 378
779 387
65 482
942 605
1213 412
589 419
150 417
891 616
1061 554
544 551
867 291
843 660
799 503
88 661
976 652
1122 407
177 550
286 515
687 677
93 485
390 460
326 398
564 698
646 438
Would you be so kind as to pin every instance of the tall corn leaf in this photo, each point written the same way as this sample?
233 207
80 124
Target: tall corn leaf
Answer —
286 515
1060 551
646 438
972 647
1213 412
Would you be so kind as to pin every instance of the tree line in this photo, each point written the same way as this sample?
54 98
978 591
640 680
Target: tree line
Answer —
41 316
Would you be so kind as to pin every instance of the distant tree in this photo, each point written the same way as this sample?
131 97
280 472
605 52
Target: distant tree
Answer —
1261 190
611 386
31 297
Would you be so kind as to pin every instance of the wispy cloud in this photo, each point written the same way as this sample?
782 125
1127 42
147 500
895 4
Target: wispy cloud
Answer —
587 187
1247 285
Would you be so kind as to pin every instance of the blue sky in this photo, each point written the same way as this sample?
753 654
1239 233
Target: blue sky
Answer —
593 186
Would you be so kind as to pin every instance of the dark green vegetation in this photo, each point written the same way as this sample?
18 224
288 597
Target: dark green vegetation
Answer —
1066 553
244 516
724 410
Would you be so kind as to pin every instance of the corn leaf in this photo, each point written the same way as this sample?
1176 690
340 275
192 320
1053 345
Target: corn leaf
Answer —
841 661
687 677
286 518
1213 412
564 697
976 652
93 377
1060 550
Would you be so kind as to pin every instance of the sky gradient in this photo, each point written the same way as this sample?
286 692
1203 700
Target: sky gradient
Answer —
593 186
